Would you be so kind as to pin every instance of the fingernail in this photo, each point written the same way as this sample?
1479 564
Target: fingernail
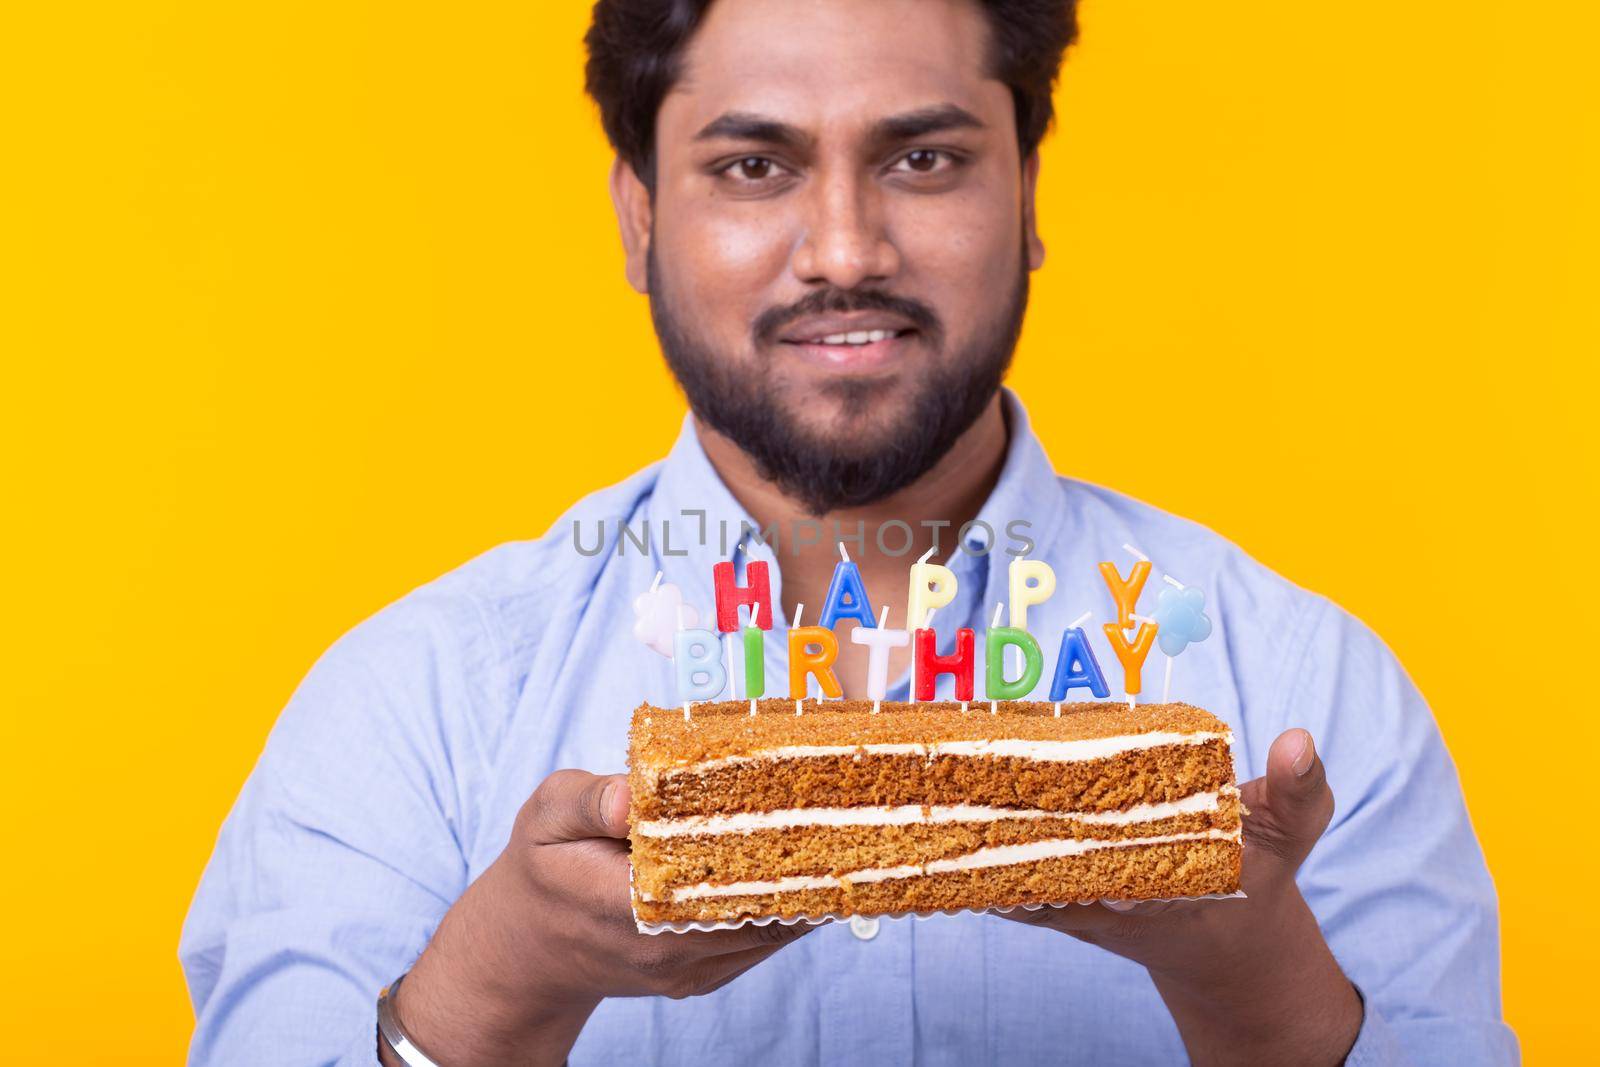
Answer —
1121 905
607 795
1303 758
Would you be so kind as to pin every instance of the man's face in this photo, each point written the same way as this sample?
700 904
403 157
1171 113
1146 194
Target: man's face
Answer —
839 236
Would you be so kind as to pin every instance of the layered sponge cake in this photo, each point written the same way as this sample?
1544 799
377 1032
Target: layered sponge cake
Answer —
844 810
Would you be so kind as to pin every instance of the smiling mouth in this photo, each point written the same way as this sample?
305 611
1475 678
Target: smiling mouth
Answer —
855 352
854 338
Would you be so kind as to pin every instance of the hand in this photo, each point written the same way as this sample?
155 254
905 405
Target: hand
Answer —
522 959
1247 981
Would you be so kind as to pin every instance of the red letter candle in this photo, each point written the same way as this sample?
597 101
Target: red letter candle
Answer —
927 664
756 595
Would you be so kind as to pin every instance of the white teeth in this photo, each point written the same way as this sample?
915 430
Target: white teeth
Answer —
856 337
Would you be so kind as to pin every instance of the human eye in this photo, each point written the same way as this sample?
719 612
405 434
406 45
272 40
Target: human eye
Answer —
926 162
752 172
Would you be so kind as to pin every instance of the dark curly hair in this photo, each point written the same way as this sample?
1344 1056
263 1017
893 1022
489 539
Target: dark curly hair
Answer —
634 47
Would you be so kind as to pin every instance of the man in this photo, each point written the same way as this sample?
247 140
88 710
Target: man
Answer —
830 206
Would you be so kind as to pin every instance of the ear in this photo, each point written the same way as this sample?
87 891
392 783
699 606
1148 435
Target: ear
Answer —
1030 218
631 200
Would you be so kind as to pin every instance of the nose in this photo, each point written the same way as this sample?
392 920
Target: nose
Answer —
846 243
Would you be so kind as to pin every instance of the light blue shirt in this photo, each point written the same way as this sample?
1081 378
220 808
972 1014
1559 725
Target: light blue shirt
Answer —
391 780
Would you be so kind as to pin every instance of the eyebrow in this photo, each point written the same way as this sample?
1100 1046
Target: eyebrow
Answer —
748 126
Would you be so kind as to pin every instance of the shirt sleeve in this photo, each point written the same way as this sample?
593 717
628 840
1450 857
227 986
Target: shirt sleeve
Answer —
347 844
1398 882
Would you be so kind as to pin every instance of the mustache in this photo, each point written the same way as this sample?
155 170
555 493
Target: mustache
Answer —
771 323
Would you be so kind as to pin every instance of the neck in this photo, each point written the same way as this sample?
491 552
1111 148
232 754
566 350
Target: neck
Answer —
935 506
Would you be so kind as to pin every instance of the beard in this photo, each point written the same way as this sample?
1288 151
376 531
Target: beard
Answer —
920 415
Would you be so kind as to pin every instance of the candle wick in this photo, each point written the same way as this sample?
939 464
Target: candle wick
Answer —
1170 580
1081 619
1135 552
925 555
657 583
998 608
843 553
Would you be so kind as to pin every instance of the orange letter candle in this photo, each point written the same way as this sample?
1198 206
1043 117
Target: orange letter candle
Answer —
1125 593
1132 656
820 663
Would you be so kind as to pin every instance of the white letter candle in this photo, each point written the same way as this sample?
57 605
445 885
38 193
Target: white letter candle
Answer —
879 640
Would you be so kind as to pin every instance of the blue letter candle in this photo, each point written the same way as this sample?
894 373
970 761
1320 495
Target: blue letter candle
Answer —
1076 666
697 655
847 597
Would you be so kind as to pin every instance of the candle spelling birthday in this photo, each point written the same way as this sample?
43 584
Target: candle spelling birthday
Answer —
1014 658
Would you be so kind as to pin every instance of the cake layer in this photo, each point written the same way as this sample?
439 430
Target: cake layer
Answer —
1191 867
1150 775
664 864
839 754
662 739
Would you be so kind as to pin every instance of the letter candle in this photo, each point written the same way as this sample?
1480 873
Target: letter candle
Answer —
1132 655
1125 591
847 595
928 664
1033 581
1076 665
803 663
996 642
730 597
879 640
932 587
698 662
755 656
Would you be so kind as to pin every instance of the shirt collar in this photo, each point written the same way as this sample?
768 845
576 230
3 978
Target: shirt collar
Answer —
694 521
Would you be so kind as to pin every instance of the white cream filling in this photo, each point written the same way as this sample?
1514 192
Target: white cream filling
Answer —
1090 748
996 856
916 814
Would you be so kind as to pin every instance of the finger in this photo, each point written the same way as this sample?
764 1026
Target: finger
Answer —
1291 805
1073 918
574 805
768 936
727 968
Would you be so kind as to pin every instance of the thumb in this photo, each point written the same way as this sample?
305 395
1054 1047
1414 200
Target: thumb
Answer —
1291 805
574 805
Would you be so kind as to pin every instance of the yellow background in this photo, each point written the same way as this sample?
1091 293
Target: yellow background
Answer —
304 304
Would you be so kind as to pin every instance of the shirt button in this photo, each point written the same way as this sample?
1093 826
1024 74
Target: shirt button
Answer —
864 927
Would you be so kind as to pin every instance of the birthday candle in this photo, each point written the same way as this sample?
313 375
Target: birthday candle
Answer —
698 661
802 661
1076 665
1180 613
755 594
929 664
755 661
879 640
847 595
1125 591
996 642
1132 656
932 587
1023 594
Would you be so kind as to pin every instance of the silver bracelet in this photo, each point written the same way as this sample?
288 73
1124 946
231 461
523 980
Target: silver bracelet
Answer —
394 1035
